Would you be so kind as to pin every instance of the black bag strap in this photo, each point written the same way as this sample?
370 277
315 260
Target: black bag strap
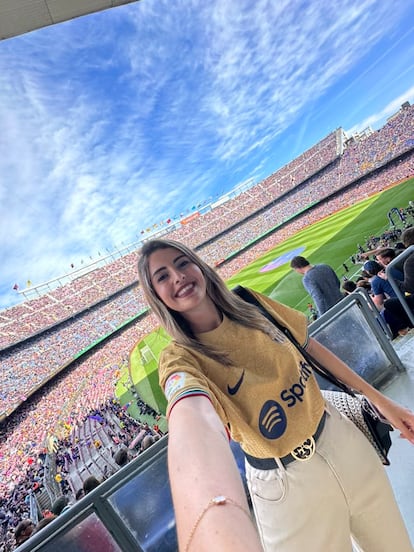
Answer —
247 296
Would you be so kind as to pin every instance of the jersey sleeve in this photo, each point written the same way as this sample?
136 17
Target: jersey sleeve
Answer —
180 377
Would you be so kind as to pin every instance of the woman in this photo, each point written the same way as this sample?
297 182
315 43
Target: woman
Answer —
229 370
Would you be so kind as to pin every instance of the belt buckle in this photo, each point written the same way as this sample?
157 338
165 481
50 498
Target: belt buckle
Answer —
305 451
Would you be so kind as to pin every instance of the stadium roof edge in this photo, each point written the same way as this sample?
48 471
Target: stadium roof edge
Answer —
22 16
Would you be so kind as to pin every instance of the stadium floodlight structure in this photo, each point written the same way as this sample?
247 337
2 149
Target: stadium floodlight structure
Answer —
22 16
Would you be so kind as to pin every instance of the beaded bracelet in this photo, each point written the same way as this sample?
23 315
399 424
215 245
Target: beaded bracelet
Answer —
219 500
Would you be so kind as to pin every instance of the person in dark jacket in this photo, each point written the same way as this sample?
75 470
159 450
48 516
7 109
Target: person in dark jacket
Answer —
394 305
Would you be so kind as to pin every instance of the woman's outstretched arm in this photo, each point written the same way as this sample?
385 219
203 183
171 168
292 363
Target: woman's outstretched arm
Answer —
210 504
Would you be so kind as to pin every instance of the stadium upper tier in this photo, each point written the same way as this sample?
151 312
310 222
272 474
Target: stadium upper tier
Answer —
86 290
94 306
314 175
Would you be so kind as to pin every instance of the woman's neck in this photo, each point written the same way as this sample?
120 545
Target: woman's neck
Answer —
205 320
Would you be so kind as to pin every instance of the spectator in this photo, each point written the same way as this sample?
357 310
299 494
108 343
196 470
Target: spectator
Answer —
60 505
349 286
122 457
80 493
320 281
407 285
43 522
381 288
90 484
147 441
23 531
384 256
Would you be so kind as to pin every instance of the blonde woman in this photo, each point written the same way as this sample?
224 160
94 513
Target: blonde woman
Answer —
315 481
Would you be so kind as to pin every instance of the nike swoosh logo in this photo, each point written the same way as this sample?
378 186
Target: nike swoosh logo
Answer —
233 390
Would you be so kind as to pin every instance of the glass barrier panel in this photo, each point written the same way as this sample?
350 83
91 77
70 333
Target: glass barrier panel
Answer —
352 340
144 504
89 535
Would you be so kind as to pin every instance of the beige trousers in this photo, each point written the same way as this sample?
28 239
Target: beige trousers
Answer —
339 496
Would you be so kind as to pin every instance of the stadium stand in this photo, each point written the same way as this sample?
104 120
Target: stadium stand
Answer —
313 176
67 344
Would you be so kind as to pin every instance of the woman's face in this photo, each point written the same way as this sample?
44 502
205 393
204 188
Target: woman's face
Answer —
177 280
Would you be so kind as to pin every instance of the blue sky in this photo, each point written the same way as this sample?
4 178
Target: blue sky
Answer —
115 121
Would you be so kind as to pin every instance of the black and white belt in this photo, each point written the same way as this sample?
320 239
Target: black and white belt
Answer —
301 453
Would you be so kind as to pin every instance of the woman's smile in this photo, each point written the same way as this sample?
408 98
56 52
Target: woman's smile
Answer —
185 290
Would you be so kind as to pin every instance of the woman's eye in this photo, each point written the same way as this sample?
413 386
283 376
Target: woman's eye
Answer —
162 277
183 263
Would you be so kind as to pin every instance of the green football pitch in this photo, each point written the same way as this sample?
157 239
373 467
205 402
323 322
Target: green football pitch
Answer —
332 240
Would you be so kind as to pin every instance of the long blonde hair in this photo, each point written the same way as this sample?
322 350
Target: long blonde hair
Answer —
226 301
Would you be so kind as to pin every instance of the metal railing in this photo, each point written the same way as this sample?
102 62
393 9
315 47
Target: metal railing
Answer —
398 262
130 512
356 332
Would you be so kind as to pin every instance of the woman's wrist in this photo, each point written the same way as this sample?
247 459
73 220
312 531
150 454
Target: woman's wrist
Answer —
219 500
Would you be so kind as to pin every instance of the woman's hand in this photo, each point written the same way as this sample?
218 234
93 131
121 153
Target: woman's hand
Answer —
399 417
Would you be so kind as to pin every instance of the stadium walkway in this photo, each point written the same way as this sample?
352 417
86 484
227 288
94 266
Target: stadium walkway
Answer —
401 470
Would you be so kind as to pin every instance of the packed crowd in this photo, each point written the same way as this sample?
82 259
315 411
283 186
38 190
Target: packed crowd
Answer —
96 445
83 386
44 355
322 169
66 301
279 184
54 348
84 291
394 172
88 383
92 446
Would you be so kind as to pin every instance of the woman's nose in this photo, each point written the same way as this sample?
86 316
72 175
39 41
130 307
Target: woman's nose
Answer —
178 276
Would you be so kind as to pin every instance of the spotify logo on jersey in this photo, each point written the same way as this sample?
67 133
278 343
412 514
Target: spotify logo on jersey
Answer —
272 420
